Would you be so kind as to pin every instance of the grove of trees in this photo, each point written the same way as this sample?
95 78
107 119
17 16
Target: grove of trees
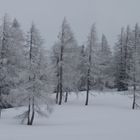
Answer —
29 75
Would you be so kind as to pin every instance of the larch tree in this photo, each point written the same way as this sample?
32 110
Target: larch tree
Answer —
16 59
34 89
104 64
54 57
135 65
91 48
121 76
82 68
66 49
4 58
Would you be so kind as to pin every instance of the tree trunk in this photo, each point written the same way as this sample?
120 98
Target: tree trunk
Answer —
88 73
66 97
33 113
0 112
134 97
88 87
61 94
134 72
57 92
57 95
29 109
61 75
0 102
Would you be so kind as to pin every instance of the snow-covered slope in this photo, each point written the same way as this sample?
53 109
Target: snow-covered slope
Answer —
108 117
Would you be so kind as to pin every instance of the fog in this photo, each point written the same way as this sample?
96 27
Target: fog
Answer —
109 16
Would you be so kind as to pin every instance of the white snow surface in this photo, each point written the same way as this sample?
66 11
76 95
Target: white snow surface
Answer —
108 117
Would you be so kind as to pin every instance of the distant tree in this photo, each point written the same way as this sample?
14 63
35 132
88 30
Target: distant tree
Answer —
104 64
121 67
4 58
16 59
127 61
135 65
82 68
55 53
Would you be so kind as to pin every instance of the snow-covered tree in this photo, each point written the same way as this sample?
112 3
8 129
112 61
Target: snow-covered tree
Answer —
35 89
16 59
5 81
104 64
55 67
91 53
66 60
127 61
121 59
82 68
135 67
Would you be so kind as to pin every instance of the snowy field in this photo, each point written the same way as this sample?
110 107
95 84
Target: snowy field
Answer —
108 117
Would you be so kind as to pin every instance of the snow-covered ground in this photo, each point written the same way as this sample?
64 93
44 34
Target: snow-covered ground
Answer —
108 117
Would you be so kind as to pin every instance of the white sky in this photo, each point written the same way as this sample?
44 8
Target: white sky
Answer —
109 16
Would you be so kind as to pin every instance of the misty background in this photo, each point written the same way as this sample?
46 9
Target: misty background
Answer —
109 16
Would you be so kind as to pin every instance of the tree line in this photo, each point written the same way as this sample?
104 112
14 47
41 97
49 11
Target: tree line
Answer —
29 75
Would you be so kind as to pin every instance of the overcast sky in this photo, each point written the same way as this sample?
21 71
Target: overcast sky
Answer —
109 16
